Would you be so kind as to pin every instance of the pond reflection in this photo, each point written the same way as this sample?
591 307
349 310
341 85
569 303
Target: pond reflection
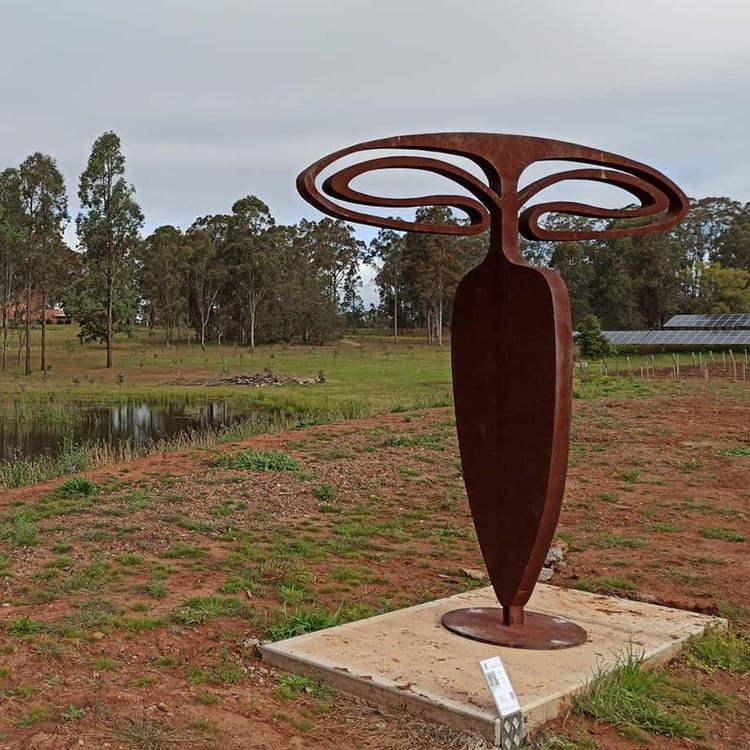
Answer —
134 422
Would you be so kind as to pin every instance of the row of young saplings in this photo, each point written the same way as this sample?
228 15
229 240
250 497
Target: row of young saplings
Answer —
703 365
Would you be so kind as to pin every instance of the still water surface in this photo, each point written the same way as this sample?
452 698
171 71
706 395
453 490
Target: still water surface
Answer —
132 422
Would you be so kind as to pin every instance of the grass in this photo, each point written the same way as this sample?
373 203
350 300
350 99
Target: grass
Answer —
639 703
725 534
291 687
720 650
200 609
735 452
605 585
301 622
253 460
147 734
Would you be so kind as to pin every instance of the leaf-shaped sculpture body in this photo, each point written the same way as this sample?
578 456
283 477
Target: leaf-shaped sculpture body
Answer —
511 341
511 380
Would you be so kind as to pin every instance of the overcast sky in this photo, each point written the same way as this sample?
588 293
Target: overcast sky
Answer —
216 99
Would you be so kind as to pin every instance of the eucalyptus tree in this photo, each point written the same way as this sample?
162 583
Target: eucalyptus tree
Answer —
337 253
207 271
434 264
109 224
386 253
252 263
10 251
700 236
733 248
44 207
162 278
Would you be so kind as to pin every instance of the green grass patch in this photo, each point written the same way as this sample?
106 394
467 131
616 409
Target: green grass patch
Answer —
720 650
609 541
291 687
723 533
184 551
253 460
201 609
639 702
77 487
604 585
302 621
735 452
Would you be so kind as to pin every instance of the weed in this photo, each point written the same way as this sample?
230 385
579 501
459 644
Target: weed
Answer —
665 527
73 713
604 585
292 686
201 609
324 493
638 702
607 541
23 529
291 593
156 589
208 699
128 559
556 742
629 475
718 649
77 486
147 734
727 535
735 452
429 441
106 664
184 550
24 625
302 621
253 460
33 716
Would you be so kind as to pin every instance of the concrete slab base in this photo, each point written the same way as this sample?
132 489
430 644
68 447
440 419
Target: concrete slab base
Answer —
407 660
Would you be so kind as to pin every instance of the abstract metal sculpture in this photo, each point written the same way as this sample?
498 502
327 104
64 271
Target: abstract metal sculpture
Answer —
511 342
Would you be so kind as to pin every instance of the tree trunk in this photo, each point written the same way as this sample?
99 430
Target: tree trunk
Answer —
5 335
395 315
110 291
43 366
439 323
27 329
252 328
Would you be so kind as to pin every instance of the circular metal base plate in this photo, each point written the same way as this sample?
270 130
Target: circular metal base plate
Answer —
538 631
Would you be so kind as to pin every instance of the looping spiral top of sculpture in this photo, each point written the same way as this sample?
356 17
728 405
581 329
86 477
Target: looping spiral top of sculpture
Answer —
502 159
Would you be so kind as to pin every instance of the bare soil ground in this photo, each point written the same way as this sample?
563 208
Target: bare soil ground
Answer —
129 617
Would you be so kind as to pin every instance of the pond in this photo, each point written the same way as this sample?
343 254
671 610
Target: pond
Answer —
48 430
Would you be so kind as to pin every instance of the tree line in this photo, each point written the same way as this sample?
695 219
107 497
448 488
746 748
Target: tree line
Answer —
237 276
700 266
240 276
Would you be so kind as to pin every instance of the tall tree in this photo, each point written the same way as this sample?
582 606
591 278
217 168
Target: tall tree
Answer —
44 205
699 236
11 235
434 268
733 248
162 278
386 253
724 290
337 253
207 269
251 261
109 224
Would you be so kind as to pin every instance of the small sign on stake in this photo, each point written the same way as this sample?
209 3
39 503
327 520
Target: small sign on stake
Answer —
506 701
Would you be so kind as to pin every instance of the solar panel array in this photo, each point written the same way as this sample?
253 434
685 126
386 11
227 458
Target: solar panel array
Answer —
704 338
717 321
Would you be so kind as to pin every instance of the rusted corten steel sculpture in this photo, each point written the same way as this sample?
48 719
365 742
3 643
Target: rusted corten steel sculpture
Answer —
511 341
